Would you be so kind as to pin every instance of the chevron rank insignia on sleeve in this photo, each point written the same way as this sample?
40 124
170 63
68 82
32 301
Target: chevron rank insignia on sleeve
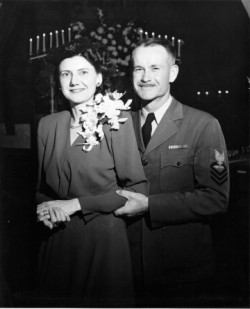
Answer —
218 170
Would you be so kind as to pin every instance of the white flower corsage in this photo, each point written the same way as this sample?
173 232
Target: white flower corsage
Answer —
105 108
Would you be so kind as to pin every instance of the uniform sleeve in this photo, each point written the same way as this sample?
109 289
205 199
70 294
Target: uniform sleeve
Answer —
211 184
129 171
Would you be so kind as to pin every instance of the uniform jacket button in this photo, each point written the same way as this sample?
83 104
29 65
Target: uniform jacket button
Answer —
144 162
178 163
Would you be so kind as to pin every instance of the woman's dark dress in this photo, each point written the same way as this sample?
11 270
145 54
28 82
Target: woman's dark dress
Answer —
86 262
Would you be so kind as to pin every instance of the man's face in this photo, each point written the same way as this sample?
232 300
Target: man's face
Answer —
152 72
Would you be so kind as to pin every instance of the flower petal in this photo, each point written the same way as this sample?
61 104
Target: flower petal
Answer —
122 120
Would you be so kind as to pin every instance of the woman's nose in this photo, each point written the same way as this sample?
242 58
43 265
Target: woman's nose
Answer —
74 80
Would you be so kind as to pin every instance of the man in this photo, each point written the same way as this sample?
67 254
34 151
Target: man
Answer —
186 164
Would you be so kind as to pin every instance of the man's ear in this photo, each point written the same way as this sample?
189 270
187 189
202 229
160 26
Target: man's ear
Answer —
173 73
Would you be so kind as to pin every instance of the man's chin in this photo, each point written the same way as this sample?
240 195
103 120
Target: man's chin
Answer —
146 96
147 100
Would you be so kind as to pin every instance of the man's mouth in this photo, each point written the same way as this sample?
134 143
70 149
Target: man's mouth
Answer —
146 85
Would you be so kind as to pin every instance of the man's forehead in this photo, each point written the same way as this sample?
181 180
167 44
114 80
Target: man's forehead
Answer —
154 54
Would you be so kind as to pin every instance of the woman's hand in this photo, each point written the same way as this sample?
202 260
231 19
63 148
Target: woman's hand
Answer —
53 212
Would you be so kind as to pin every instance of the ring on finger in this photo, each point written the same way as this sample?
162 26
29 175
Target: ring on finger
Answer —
45 212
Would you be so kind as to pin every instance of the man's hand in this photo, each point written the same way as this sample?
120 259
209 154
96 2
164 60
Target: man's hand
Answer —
137 204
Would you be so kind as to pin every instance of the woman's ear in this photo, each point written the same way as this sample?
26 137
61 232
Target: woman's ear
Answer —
99 80
173 73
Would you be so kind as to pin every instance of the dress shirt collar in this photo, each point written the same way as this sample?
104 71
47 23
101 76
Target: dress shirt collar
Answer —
158 113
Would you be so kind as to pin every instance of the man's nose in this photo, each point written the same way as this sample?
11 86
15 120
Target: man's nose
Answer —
146 76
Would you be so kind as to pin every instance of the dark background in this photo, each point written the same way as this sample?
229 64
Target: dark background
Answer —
215 56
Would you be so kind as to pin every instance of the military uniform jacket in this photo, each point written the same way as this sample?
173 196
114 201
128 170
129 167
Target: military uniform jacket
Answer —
187 167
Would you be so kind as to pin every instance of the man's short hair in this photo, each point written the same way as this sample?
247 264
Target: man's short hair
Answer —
157 41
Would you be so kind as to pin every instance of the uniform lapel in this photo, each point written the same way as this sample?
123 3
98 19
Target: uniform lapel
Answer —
167 126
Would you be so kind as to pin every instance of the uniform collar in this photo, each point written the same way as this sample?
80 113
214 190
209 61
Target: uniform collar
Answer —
158 113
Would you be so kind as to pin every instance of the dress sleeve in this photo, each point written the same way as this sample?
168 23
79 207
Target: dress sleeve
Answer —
40 195
211 178
128 168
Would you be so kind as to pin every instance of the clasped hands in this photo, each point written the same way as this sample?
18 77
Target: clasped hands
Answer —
52 213
137 204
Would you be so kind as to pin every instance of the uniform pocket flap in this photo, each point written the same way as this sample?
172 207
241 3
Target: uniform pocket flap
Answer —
176 158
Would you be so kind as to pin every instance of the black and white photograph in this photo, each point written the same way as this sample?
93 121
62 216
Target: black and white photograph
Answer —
124 153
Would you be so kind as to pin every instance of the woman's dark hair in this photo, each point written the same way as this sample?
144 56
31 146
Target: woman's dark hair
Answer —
94 52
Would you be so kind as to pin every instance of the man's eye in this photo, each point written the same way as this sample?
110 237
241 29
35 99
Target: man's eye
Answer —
137 69
83 72
155 69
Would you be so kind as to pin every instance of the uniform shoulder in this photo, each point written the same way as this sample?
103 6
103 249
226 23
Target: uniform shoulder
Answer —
197 114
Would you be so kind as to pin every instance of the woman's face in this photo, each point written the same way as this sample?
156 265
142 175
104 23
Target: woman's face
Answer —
78 79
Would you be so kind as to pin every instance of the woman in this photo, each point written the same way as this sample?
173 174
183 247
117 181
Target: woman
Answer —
85 155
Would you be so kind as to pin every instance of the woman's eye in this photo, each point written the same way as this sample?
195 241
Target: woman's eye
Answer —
64 74
137 69
83 72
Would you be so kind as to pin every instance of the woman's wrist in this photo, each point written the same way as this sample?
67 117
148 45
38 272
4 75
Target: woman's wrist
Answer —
75 206
70 206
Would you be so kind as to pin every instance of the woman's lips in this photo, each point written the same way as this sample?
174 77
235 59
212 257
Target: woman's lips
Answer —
77 90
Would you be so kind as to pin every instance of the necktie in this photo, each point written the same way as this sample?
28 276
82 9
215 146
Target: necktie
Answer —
147 128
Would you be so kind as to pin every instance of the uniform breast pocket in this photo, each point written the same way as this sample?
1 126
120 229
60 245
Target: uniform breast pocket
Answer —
176 171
